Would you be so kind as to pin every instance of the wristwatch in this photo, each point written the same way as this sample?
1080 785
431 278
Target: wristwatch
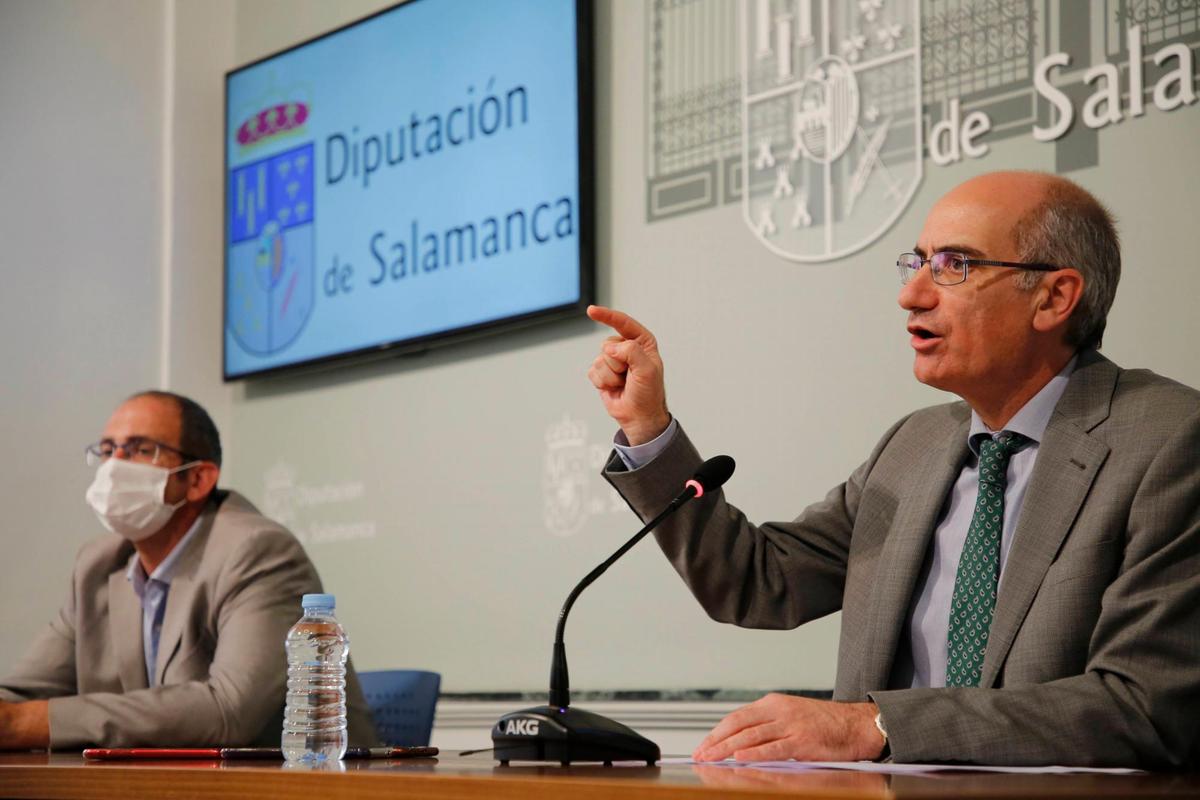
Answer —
887 747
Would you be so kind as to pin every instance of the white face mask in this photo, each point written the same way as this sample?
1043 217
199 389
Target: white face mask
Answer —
128 497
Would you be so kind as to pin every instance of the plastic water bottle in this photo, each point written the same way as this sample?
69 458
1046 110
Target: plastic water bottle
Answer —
314 719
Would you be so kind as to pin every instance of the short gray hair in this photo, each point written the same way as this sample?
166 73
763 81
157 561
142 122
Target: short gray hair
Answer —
1071 228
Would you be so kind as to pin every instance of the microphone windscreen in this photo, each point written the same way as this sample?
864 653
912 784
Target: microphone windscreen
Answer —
714 472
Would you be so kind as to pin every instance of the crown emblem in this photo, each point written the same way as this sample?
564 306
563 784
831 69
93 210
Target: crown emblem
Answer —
271 122
566 433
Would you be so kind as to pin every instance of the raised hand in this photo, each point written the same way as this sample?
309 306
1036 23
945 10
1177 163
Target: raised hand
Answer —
629 375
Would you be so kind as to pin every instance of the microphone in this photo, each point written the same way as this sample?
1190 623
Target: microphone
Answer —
711 476
557 732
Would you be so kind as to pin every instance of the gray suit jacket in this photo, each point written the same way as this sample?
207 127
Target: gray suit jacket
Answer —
221 665
1094 652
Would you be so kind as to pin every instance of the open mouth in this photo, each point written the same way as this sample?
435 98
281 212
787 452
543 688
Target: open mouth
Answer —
922 334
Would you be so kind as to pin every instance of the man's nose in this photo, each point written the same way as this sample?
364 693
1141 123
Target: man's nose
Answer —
920 293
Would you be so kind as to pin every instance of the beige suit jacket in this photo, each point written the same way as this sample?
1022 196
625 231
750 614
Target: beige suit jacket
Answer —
221 667
1094 652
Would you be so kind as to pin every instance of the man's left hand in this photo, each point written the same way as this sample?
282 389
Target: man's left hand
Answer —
779 727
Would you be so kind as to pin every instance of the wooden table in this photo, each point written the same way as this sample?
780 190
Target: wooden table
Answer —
39 775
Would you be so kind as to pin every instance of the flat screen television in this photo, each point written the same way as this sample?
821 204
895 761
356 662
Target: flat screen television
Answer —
411 179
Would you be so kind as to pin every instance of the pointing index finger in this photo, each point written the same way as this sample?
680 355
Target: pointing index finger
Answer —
619 321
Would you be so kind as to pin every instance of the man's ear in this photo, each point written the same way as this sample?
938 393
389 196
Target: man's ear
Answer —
202 479
1057 297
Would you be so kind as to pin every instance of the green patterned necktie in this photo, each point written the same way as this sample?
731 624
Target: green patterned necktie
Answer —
979 566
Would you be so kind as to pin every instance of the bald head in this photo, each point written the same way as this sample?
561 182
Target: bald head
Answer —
1004 200
990 207
1015 183
1036 217
197 435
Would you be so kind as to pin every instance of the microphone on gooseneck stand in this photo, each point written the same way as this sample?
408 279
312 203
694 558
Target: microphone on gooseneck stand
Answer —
558 732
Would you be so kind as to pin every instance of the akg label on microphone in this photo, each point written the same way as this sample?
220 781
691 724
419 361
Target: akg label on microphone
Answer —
522 727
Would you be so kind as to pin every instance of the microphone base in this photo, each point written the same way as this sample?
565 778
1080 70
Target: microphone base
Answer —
568 736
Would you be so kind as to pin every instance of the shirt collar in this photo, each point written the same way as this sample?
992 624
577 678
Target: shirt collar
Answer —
136 574
1034 416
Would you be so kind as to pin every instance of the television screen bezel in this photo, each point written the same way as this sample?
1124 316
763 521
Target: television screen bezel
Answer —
419 344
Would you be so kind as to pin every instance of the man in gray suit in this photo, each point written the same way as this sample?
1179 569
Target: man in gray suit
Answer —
172 633
1019 573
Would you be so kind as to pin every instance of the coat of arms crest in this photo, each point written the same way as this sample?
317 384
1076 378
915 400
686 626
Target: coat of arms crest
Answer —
831 148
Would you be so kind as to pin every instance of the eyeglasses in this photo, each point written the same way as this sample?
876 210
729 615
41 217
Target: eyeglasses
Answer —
951 268
136 448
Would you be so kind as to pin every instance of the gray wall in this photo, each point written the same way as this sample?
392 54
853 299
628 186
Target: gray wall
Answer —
426 489
81 220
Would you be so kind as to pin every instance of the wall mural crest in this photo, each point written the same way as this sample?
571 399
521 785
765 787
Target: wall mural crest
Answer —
819 117
826 88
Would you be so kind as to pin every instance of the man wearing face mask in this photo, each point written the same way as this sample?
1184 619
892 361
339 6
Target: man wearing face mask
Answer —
172 633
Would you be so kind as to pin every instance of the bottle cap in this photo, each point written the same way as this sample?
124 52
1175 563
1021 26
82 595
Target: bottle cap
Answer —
315 601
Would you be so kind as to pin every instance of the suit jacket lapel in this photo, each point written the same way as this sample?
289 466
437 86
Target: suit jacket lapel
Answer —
1068 460
904 552
181 602
125 628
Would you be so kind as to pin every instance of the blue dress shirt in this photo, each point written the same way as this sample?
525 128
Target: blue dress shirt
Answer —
152 592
